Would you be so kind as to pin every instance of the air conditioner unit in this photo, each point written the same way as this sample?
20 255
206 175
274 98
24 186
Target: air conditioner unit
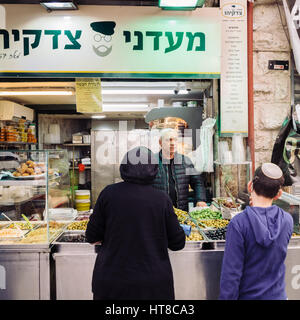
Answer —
10 110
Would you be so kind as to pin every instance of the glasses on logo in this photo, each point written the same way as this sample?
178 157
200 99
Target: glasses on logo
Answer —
98 37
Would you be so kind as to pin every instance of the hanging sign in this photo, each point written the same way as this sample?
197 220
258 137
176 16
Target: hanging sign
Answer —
104 40
88 95
234 72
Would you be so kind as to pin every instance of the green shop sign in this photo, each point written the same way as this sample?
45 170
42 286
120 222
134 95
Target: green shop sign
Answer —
111 41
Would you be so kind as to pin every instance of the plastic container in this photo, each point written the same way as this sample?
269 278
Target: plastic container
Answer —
83 197
83 205
82 194
238 149
80 201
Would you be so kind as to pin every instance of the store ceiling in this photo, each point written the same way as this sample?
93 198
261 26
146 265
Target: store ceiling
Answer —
67 103
208 3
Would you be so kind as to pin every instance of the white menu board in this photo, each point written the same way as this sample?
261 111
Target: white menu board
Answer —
234 81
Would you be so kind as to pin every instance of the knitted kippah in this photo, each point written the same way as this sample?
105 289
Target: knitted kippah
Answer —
271 170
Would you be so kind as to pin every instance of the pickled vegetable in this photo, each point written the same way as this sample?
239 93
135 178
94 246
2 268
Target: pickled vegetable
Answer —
181 215
218 234
214 223
206 214
73 238
194 236
78 225
21 225
190 223
40 235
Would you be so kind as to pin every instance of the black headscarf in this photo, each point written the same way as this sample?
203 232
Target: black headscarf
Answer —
139 165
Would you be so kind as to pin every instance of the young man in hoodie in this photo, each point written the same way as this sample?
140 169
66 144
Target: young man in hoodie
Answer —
256 243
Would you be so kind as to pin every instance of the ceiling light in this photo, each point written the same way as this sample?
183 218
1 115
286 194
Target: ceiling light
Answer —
98 117
180 4
37 93
142 91
62 5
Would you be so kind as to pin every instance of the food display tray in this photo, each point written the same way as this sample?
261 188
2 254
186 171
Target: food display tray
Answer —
38 246
32 177
14 238
62 246
35 224
200 225
205 231
3 224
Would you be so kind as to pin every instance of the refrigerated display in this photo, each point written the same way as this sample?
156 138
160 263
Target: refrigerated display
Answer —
31 183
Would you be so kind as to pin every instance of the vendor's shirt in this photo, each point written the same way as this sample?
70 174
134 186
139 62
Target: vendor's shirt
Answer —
172 190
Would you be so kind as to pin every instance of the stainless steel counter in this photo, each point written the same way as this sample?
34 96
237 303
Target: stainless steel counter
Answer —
196 270
25 272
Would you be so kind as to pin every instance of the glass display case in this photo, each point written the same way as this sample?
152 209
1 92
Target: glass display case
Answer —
34 184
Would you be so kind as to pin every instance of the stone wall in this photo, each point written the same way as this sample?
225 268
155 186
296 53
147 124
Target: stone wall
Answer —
271 87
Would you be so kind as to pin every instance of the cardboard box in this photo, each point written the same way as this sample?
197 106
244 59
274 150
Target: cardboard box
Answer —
10 110
77 139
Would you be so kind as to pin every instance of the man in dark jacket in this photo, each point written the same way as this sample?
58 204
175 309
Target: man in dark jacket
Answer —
136 225
176 172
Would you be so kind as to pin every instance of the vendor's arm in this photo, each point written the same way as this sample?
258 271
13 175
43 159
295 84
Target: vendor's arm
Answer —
233 262
96 226
175 234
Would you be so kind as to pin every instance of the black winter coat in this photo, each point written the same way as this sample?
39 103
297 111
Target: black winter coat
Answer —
185 174
136 225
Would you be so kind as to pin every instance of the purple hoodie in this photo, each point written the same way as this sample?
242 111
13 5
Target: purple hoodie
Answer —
256 246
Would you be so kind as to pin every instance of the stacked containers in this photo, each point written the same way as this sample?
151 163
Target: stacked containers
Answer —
22 134
83 201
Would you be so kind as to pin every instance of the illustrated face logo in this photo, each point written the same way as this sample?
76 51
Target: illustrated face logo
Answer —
103 36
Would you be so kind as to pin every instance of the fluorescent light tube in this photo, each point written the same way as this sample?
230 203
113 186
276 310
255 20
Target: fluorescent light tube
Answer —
142 91
180 4
69 5
98 117
37 93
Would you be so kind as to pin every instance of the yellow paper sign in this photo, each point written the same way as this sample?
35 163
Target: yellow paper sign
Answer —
88 95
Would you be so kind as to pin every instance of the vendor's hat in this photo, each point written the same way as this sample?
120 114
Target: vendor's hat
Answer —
105 27
271 170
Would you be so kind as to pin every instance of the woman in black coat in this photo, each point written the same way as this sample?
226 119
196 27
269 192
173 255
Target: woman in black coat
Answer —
136 225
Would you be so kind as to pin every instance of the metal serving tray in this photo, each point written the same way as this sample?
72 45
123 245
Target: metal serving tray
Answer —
35 224
3 225
14 238
64 242
209 239
41 247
